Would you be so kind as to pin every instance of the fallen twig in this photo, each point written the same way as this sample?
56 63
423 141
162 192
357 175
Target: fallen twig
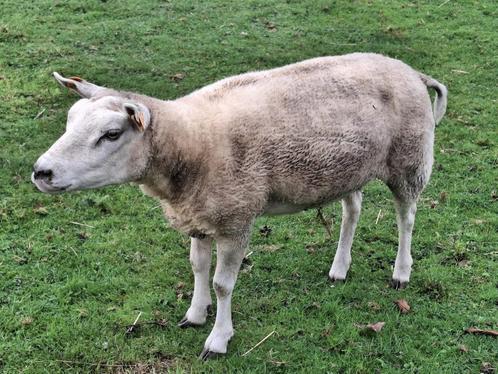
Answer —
325 224
474 330
260 342
81 224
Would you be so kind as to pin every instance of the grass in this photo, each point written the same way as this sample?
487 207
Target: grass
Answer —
67 291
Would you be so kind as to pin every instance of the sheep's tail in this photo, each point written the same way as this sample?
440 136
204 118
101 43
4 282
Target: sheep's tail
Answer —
441 99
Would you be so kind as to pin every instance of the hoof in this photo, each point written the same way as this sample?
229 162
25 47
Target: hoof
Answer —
398 285
184 323
337 280
206 354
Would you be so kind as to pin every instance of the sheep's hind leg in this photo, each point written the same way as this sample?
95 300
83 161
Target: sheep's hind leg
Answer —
351 207
230 253
405 217
200 258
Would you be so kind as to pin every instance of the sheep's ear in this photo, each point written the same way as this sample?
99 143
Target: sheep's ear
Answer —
139 115
80 86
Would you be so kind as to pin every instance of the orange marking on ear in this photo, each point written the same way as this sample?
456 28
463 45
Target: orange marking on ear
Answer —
137 122
77 79
142 121
70 85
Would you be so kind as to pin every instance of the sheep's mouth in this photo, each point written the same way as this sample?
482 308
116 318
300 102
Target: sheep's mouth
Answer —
45 187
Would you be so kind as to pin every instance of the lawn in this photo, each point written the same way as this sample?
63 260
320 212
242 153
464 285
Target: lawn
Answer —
77 269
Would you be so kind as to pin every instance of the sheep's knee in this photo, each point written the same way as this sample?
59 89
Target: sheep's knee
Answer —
221 290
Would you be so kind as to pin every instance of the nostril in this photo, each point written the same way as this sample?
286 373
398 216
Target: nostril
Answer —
43 174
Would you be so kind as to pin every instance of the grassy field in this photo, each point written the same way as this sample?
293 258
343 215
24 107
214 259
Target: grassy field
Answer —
76 269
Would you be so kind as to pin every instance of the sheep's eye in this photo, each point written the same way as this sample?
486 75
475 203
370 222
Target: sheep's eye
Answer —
111 135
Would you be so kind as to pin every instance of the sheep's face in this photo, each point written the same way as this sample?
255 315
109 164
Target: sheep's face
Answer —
105 143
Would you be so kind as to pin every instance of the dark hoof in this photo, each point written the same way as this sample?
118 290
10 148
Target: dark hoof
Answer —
206 354
184 323
337 281
398 285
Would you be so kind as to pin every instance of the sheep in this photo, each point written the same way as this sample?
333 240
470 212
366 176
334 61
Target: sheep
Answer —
269 142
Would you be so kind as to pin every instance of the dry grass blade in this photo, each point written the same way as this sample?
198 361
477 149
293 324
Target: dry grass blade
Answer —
81 224
134 325
378 216
40 113
260 342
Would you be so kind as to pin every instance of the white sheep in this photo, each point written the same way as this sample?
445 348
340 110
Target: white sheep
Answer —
269 142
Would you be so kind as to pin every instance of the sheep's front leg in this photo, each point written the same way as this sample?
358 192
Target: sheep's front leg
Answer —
351 207
200 258
230 253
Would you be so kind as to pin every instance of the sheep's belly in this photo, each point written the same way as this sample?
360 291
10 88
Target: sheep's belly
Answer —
277 207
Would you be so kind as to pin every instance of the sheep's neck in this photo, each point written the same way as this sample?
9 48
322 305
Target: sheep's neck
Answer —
178 152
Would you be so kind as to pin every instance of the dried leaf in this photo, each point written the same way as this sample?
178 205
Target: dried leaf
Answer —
83 313
463 348
27 321
326 332
310 248
371 328
376 327
403 306
271 26
487 368
373 305
463 263
41 210
20 260
474 330
177 77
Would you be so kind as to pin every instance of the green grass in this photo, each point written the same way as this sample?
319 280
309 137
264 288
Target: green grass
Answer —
67 291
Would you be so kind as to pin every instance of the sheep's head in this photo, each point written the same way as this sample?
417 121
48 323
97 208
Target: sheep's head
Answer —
106 142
